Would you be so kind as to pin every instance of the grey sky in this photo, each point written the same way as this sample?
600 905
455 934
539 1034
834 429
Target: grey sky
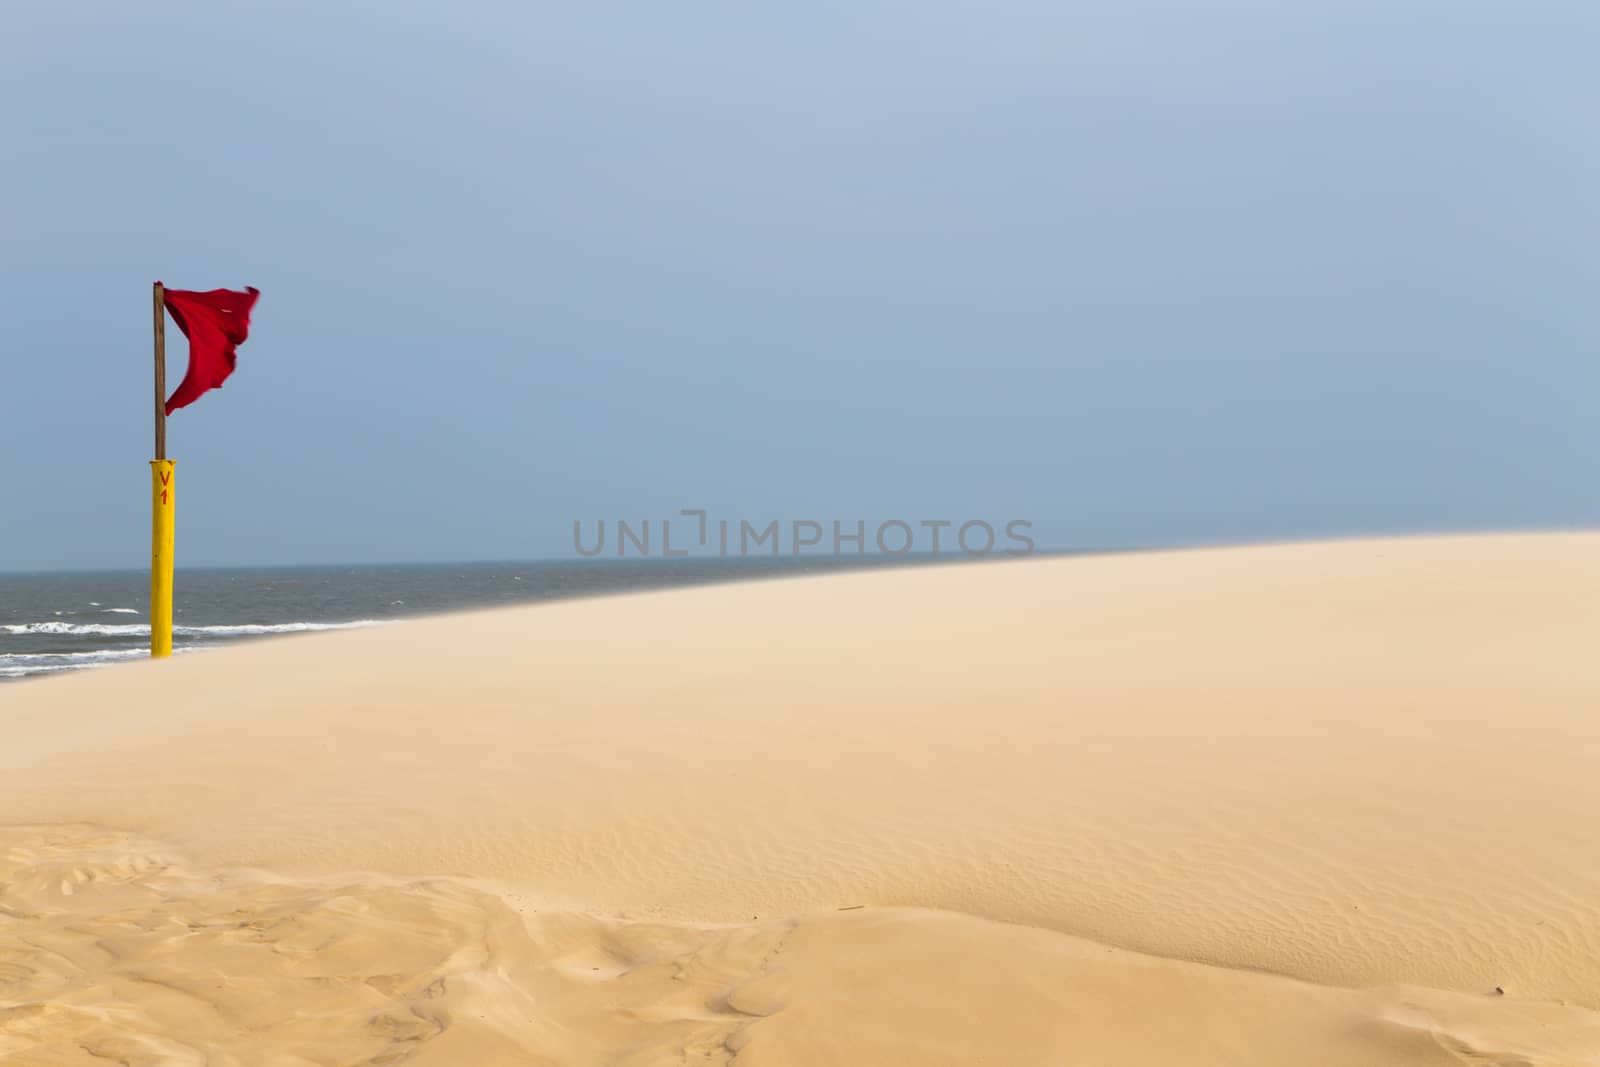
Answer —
1139 272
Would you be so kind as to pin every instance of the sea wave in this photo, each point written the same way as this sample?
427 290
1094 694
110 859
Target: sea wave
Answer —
119 611
10 658
23 672
22 664
111 629
77 629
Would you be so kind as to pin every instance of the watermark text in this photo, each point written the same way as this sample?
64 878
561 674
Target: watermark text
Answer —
694 532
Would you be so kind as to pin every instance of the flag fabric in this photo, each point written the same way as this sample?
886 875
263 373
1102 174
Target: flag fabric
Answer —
216 322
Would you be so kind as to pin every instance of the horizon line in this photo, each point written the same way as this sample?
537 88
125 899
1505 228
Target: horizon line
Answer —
875 557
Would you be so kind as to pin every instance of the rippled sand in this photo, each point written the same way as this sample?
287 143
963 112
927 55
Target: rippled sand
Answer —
1296 804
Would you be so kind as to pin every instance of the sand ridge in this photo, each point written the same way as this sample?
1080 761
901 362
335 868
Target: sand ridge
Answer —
114 949
1338 790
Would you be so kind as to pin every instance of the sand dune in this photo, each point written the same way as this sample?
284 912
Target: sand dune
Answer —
1295 804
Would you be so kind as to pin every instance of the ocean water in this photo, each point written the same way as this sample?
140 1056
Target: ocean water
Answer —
80 620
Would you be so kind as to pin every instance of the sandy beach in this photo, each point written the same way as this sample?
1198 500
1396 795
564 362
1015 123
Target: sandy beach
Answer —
1328 803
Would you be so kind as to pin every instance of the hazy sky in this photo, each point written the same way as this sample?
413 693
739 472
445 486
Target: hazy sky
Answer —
1142 273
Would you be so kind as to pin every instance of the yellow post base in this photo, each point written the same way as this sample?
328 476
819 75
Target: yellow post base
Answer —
161 501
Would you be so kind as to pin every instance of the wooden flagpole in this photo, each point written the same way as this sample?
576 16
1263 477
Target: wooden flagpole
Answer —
162 493
159 293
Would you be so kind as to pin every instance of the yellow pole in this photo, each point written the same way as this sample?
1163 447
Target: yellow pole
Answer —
161 498
161 501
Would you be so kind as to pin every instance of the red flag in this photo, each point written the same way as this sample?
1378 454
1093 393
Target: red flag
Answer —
216 323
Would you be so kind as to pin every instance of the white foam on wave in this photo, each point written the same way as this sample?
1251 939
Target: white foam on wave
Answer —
111 629
119 611
22 664
251 629
23 672
77 629
10 658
